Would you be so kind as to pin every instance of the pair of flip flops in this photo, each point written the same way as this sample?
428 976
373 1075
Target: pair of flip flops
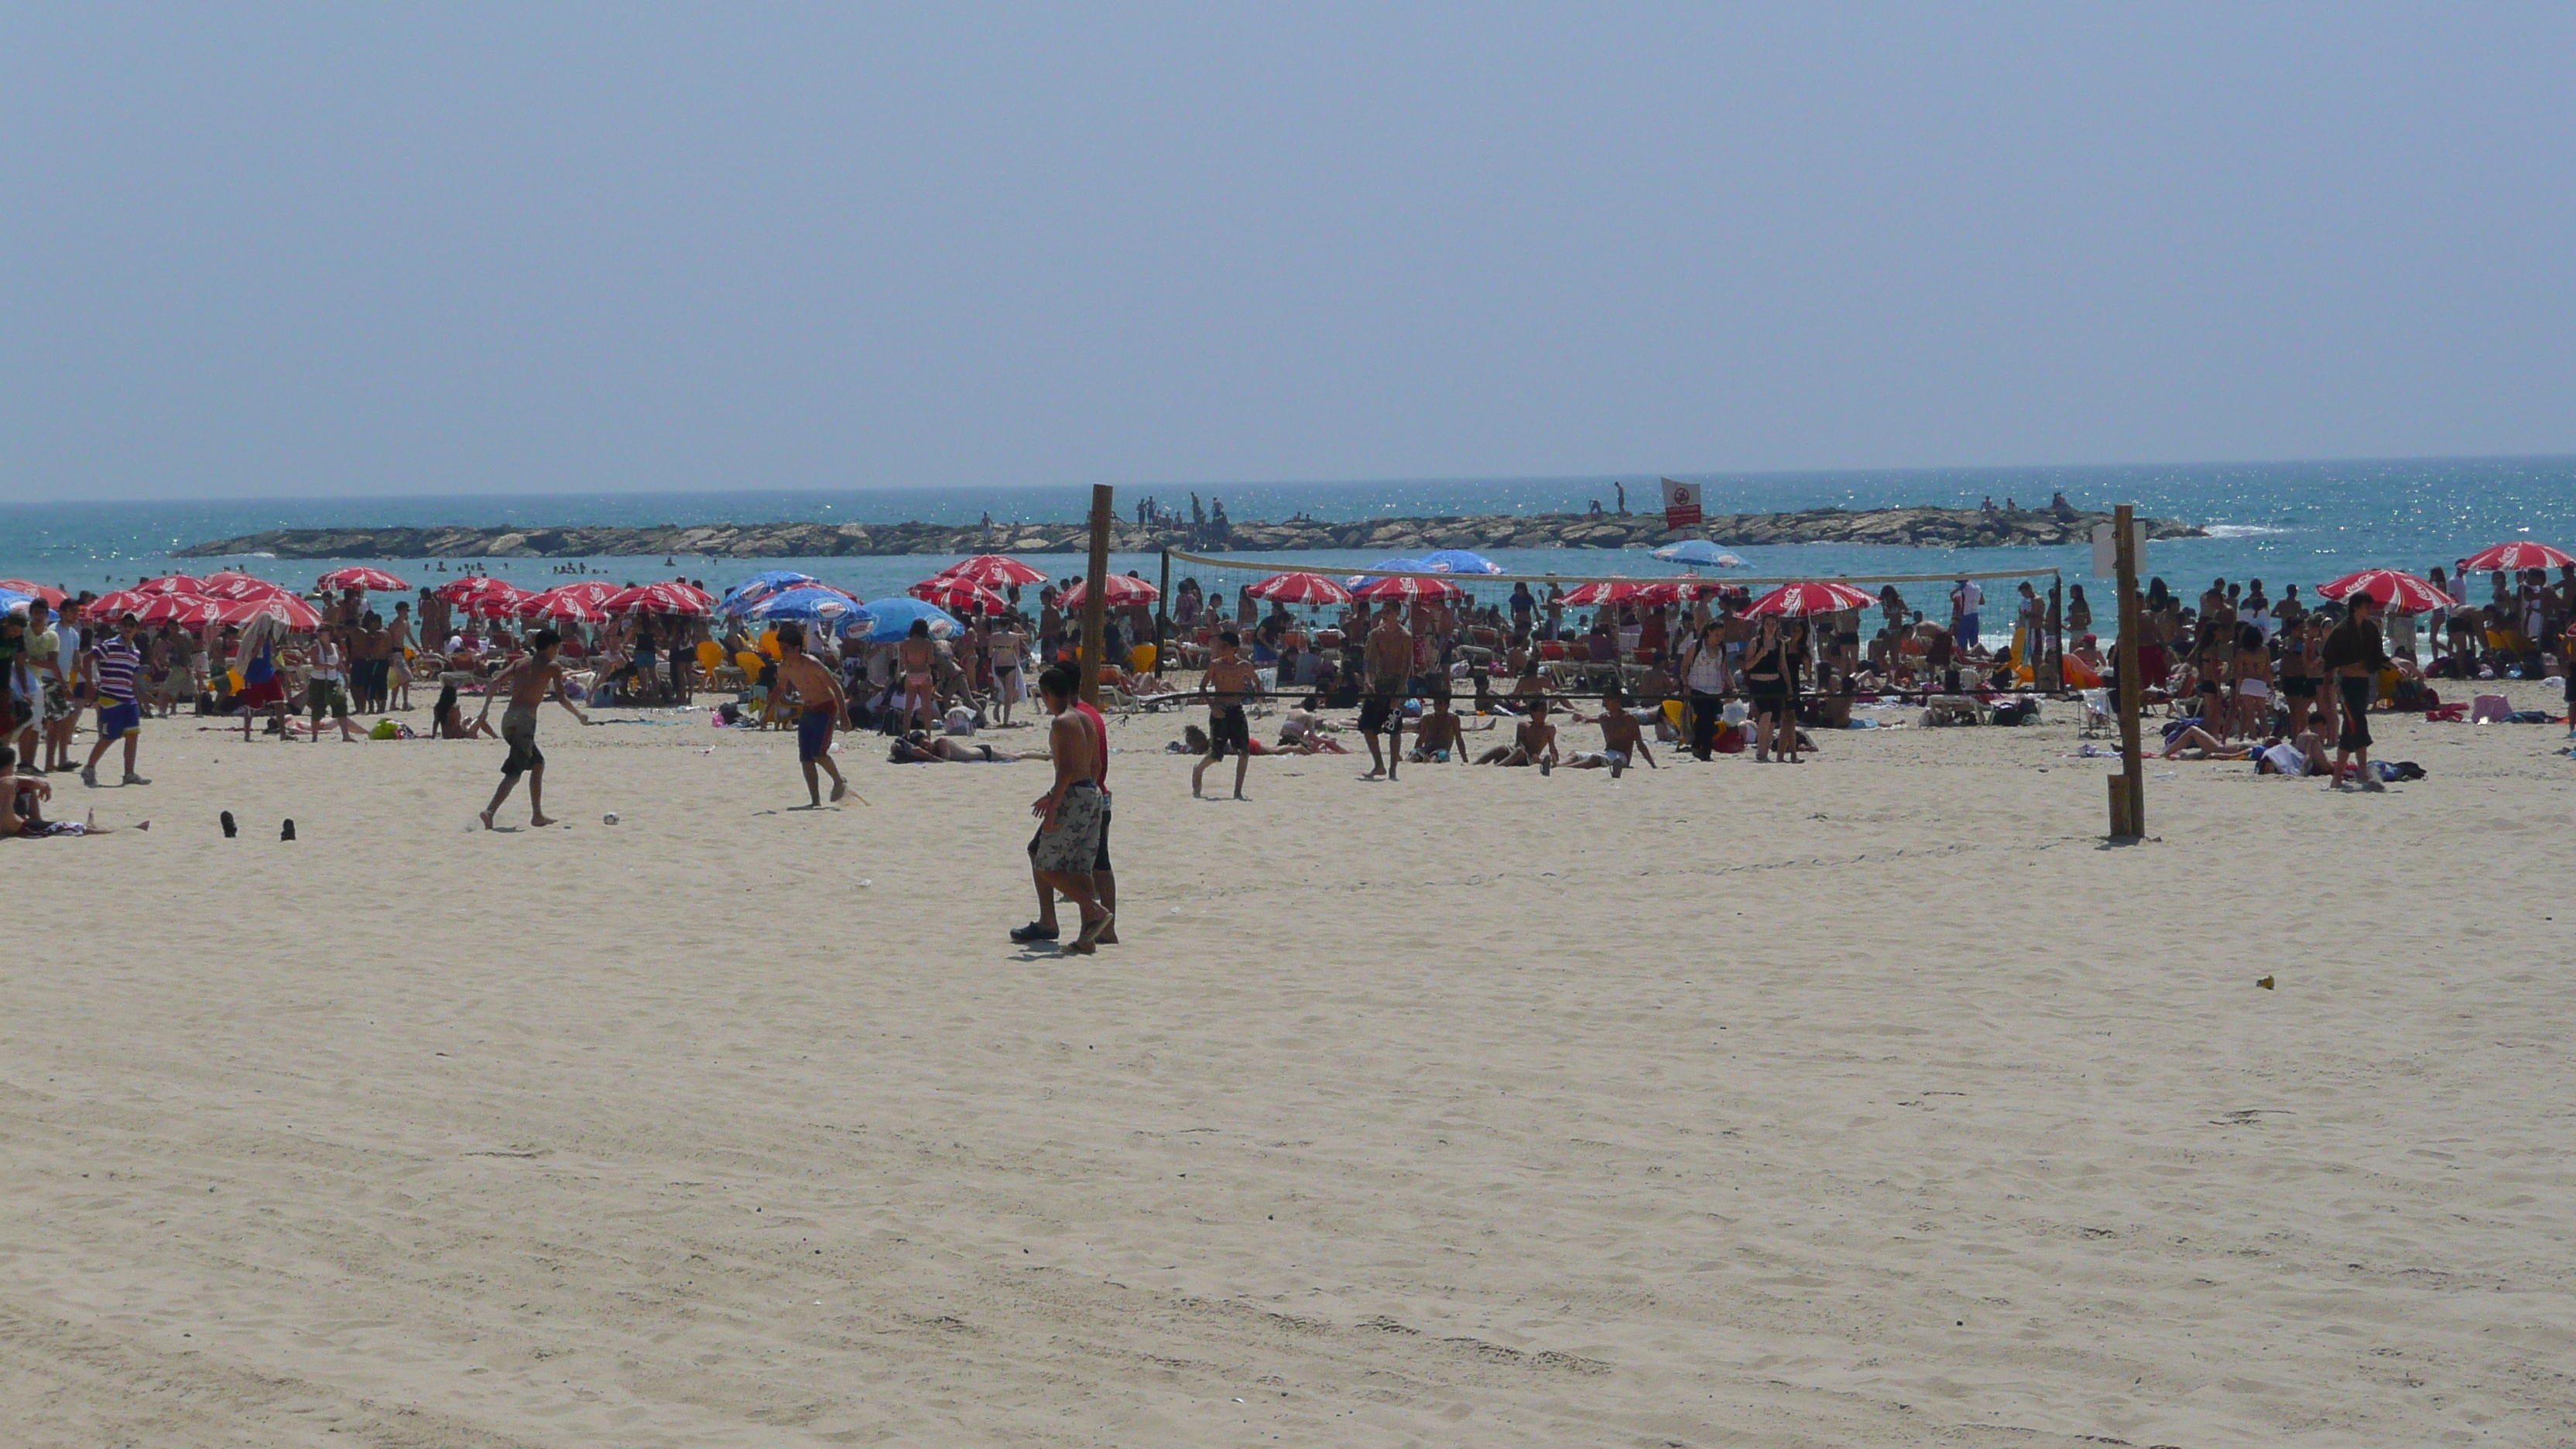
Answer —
233 828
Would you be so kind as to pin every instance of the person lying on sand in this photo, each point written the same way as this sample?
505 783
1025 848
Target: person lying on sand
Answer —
21 815
1301 730
2191 742
920 747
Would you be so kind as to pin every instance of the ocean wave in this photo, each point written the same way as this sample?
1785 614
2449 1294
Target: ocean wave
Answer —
2241 530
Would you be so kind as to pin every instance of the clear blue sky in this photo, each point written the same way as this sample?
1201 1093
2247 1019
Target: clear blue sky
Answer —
272 249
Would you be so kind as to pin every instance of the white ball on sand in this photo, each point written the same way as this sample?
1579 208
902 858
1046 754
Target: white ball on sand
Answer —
608 819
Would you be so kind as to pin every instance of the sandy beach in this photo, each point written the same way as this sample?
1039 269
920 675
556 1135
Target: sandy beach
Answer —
1869 1101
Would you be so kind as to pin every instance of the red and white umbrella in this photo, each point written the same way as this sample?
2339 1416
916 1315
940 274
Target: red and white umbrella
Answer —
1665 591
1300 588
2515 557
375 581
281 605
1604 591
994 571
592 594
238 586
116 605
1407 588
171 584
1122 589
43 593
186 610
2403 592
1794 600
664 598
958 595
566 605
486 597
171 608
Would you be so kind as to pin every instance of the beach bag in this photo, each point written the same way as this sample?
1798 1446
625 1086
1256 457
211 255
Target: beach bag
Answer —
2490 708
385 730
1729 739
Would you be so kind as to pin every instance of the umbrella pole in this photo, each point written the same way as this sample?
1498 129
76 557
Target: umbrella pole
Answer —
1095 599
1163 615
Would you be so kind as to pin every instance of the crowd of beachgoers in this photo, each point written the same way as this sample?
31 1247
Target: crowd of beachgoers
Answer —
1409 664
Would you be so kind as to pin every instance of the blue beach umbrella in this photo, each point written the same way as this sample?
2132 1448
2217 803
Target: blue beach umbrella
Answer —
1394 566
894 619
11 601
1460 561
1698 553
811 602
760 586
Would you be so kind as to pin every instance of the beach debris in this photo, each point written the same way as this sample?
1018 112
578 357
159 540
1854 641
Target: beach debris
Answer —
608 819
2265 982
231 829
286 831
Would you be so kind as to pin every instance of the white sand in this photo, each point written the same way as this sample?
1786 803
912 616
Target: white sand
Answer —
1868 1102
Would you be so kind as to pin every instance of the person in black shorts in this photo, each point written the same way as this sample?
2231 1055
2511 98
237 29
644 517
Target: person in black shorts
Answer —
1229 684
1389 663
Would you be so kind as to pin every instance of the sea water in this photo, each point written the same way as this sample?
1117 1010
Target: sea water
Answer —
2280 522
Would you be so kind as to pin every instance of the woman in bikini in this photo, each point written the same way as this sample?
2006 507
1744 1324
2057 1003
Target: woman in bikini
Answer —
919 658
1765 680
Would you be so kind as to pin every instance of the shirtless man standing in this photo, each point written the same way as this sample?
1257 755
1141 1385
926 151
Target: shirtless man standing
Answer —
1071 815
824 710
529 680
400 642
1229 684
1390 660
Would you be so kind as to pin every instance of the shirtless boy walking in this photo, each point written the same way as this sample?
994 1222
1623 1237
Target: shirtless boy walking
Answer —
529 681
1390 662
1073 814
1230 683
824 709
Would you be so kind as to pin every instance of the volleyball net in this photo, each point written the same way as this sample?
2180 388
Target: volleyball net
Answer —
1501 625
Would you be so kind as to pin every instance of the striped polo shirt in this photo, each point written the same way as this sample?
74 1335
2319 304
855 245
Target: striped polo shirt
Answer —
115 663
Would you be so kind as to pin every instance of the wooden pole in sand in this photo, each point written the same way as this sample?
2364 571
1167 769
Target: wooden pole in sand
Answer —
1163 616
2129 787
1095 595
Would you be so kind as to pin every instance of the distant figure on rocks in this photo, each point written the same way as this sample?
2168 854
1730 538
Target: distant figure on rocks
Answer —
1623 498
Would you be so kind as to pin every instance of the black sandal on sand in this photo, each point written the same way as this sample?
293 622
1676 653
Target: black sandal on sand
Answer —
1032 932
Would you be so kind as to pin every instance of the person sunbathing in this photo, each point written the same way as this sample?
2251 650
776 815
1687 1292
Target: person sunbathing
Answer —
2302 756
1622 741
920 747
2191 742
1533 742
1438 736
448 722
21 807
1301 730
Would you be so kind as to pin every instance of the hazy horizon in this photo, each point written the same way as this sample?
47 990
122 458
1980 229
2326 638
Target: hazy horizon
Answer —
313 253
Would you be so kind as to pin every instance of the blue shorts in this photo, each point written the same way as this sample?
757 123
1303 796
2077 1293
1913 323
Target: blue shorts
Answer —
116 721
813 734
1968 631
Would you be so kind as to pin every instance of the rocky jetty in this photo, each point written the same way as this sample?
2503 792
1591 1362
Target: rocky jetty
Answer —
1923 527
